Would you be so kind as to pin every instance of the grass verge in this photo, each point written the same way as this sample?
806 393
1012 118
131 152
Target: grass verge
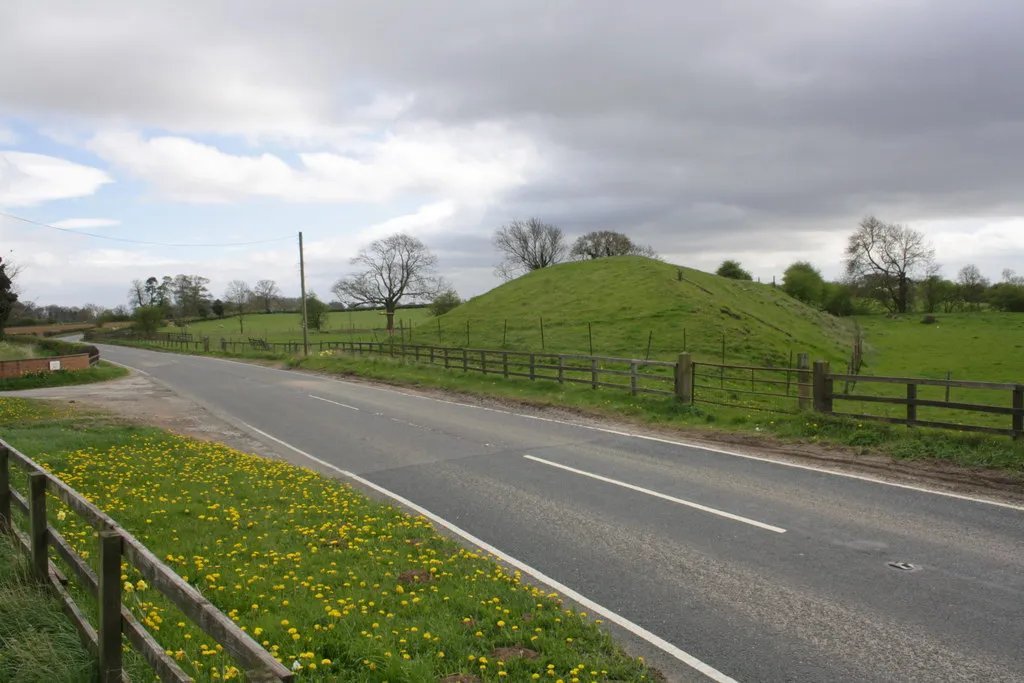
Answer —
335 585
37 642
63 378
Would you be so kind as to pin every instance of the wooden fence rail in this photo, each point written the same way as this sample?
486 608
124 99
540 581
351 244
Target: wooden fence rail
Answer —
115 619
825 398
558 367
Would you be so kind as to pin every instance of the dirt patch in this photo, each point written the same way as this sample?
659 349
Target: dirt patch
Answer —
414 576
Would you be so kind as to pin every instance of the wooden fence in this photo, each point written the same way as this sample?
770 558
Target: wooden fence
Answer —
825 398
115 620
660 377
788 389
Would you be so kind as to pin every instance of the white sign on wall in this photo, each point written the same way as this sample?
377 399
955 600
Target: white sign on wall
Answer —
54 365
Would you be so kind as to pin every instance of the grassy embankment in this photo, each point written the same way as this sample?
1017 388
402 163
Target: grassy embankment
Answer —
21 348
327 580
624 303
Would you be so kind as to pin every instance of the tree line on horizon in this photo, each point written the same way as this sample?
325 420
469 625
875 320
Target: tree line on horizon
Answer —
887 267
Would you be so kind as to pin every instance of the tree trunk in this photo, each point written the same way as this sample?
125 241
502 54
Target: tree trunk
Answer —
391 318
904 294
241 329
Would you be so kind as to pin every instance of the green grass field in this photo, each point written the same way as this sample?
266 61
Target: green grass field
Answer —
342 325
984 346
334 585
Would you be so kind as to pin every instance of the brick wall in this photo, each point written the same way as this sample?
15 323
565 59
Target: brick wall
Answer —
17 368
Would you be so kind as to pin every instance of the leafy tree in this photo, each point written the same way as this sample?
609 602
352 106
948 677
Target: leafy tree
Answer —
267 292
218 308
526 246
804 282
889 256
148 319
239 295
444 302
317 312
8 295
1007 297
397 268
973 285
733 270
938 293
837 299
604 243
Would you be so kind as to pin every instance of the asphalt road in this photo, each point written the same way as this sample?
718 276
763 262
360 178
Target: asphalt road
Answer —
762 571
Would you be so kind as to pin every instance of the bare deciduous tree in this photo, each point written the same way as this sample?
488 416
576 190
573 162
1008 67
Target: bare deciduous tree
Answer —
238 295
603 243
889 256
137 295
527 246
267 292
398 267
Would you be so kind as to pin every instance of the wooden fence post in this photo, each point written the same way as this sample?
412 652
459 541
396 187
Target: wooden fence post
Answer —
37 525
206 344
822 387
465 361
483 362
1018 415
911 404
803 381
561 370
446 362
6 523
110 606
632 378
684 378
593 373
431 355
504 363
533 367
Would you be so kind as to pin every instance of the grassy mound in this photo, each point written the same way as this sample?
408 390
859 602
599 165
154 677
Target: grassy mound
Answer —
625 302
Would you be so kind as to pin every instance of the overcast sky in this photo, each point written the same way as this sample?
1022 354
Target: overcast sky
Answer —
743 129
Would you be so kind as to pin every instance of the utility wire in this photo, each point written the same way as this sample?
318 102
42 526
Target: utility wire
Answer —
131 241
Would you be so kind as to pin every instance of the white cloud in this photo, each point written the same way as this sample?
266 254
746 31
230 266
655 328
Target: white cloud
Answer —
85 223
7 136
474 163
28 179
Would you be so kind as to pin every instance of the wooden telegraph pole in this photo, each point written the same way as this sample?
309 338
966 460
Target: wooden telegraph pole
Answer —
302 277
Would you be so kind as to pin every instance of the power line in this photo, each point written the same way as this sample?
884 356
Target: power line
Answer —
131 241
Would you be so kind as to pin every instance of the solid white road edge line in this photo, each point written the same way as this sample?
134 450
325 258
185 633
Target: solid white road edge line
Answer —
623 622
701 447
327 400
649 492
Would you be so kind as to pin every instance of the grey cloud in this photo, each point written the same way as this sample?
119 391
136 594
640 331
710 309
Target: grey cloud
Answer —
692 125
